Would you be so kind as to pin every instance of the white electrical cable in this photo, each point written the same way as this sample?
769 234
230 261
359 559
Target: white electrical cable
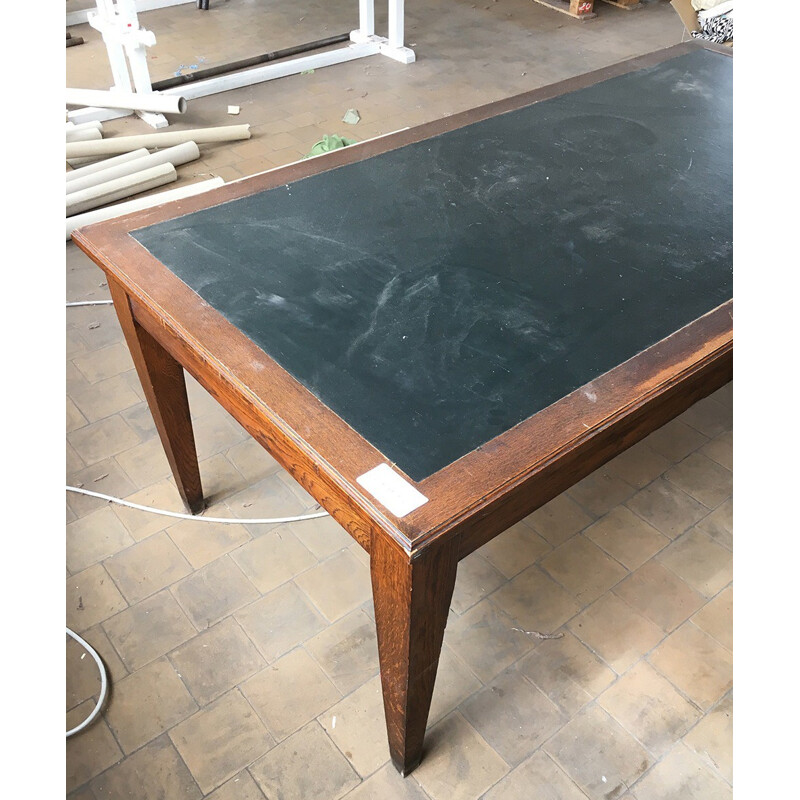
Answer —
103 682
179 515
91 303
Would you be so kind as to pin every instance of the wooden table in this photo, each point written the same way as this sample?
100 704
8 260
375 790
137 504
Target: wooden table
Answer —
485 308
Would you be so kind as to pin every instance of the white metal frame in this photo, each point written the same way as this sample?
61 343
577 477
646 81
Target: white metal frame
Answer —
363 42
126 43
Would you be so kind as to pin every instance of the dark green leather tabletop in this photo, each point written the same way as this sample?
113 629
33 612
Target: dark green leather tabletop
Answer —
438 294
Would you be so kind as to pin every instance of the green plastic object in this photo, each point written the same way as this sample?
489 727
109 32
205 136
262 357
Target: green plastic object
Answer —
328 143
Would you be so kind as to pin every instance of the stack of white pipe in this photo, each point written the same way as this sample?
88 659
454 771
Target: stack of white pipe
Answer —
101 184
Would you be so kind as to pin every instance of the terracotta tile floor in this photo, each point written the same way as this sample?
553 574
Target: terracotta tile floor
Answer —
232 649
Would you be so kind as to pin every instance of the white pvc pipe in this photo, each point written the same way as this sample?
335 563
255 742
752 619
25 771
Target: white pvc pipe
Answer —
180 154
83 135
118 189
121 144
133 101
119 210
79 125
105 163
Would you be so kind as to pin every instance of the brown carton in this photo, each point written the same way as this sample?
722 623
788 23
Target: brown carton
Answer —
688 16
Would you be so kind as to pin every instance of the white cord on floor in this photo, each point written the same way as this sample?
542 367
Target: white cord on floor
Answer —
179 515
91 303
103 682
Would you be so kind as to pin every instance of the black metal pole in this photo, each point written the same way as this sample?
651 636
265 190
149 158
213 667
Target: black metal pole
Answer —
235 66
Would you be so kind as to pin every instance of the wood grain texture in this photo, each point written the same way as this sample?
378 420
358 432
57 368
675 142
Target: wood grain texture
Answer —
412 600
164 387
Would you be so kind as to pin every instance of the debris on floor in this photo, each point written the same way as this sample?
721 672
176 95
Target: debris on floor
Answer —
328 143
351 116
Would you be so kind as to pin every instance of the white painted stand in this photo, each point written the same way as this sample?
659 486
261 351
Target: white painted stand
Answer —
126 42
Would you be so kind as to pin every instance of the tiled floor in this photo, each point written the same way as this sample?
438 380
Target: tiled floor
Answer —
243 658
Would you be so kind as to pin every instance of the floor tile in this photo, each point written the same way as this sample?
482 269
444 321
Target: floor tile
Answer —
454 684
91 598
323 537
273 559
90 751
616 632
485 639
514 550
476 579
141 524
535 601
147 567
215 661
290 692
220 740
147 703
211 593
103 439
539 774
702 478
305 765
660 595
104 398
280 620
649 707
203 542
559 519
357 726
567 671
347 651
583 569
83 674
708 416
388 783
719 524
676 440
513 716
667 508
337 586
240 787
638 465
626 537
94 537
459 764
105 477
598 754
682 774
697 664
599 492
712 738
720 449
706 566
148 630
104 363
716 618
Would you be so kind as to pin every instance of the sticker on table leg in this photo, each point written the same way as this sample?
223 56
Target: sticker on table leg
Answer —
392 491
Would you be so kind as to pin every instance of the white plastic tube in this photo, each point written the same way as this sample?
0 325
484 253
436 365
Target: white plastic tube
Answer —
118 189
177 155
124 158
133 101
121 144
72 126
119 210
83 135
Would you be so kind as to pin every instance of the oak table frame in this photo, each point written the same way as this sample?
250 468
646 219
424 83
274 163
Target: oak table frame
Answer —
413 559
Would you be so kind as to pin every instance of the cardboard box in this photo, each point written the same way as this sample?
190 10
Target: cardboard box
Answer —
688 16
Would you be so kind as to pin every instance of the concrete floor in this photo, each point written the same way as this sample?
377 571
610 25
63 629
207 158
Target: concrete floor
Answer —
232 649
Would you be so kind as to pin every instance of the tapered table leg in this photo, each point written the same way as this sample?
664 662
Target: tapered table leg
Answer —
412 599
164 387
